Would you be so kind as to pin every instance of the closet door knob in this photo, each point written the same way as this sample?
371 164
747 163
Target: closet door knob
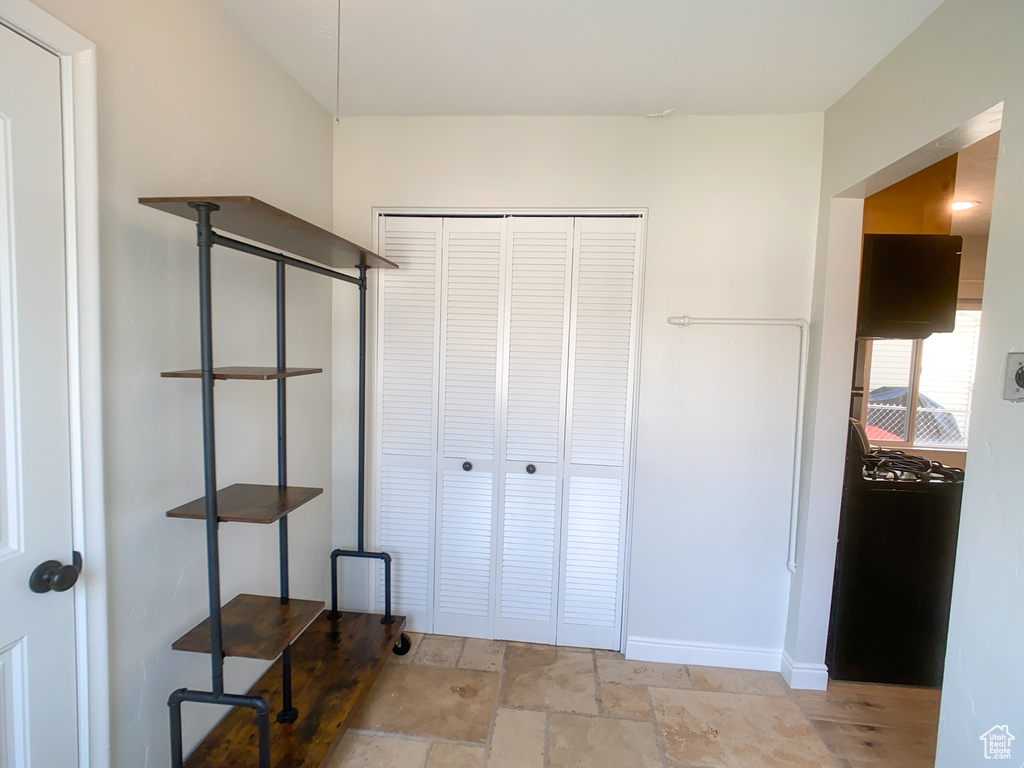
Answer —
530 469
467 466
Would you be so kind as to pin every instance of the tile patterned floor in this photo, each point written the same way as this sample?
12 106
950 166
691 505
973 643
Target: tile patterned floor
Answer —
465 703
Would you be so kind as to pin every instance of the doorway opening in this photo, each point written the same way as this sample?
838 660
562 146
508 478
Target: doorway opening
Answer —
910 407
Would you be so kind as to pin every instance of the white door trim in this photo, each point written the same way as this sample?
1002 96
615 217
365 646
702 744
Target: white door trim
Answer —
373 395
77 57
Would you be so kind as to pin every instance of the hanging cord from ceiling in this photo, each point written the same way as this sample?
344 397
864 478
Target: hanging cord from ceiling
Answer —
337 73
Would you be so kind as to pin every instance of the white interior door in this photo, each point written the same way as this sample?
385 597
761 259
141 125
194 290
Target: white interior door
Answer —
537 279
602 360
506 362
471 336
38 709
408 322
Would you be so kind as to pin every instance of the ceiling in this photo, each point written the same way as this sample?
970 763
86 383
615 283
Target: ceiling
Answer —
975 182
578 57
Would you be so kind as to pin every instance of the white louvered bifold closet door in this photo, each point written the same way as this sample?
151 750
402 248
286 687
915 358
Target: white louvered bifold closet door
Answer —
605 301
537 281
408 322
471 354
504 409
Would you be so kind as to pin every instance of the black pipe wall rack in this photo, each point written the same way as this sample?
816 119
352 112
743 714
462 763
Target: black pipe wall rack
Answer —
250 625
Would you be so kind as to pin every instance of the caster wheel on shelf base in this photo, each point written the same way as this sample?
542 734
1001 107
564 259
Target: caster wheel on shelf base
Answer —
402 646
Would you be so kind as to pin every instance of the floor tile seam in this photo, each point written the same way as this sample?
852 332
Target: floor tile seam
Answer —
415 737
494 710
659 738
598 692
730 693
445 666
634 682
590 715
547 740
462 650
398 735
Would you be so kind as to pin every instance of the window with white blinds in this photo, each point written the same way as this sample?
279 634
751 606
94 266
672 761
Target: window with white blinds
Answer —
506 367
923 387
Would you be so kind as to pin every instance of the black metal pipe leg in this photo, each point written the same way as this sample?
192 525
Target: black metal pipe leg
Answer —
257 703
204 241
263 726
288 713
174 703
388 618
361 437
334 614
361 554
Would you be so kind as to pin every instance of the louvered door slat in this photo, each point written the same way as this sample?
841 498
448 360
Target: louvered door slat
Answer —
405 535
592 552
472 256
529 526
465 545
604 316
407 319
606 266
538 297
537 327
407 359
471 320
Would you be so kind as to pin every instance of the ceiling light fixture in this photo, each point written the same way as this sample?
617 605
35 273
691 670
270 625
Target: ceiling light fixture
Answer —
963 206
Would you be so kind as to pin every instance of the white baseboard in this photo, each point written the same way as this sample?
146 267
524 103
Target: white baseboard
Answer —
703 654
805 677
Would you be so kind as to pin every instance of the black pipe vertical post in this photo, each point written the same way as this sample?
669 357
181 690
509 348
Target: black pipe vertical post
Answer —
282 426
288 713
204 240
177 757
335 613
361 456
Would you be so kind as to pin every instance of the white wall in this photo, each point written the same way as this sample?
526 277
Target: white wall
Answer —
188 104
963 60
732 203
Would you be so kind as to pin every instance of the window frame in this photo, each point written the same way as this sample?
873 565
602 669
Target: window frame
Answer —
914 387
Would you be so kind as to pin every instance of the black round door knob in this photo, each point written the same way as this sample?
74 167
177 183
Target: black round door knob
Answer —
530 469
52 575
467 466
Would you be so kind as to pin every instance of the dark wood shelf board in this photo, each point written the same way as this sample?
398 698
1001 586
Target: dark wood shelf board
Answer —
254 627
260 222
247 503
244 372
334 664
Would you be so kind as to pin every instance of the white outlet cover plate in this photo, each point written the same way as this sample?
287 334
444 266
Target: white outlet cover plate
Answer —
1014 362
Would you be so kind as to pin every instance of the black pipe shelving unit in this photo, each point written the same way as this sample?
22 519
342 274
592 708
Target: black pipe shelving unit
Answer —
255 626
